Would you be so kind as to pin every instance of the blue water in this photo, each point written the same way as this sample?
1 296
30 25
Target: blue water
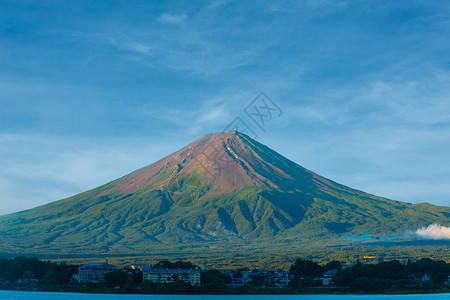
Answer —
70 296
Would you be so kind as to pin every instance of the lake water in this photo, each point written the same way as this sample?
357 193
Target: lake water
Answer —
70 296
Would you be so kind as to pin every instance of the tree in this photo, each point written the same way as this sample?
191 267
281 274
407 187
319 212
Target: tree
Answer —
116 278
391 270
33 268
27 275
53 277
306 268
135 273
370 284
185 278
213 280
334 264
175 278
174 265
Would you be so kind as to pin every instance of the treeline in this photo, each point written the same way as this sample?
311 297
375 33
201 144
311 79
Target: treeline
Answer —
28 270
308 268
423 275
179 264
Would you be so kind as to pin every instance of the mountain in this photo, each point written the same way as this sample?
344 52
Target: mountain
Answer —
224 190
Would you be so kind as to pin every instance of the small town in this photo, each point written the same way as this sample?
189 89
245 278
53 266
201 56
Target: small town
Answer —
182 277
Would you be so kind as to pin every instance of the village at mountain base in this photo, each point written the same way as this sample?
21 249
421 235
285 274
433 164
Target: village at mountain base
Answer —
181 277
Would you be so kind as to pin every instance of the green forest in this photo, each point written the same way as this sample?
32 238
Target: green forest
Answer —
389 277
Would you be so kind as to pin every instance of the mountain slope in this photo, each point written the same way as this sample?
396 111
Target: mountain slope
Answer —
222 189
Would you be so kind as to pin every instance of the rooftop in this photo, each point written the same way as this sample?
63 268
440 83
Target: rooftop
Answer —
148 269
97 267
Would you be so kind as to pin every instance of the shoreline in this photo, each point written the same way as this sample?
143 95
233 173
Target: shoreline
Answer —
236 292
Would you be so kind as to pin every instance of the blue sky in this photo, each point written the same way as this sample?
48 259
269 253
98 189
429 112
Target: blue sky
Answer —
91 90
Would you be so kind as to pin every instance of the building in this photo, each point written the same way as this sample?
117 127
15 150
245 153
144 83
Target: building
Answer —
282 279
424 277
327 277
259 279
239 279
94 273
164 276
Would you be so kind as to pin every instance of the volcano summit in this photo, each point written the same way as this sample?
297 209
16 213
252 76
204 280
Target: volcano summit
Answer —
224 191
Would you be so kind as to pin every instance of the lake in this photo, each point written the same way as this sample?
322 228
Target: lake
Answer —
71 296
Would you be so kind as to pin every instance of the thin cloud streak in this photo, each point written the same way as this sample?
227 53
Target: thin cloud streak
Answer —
39 169
172 19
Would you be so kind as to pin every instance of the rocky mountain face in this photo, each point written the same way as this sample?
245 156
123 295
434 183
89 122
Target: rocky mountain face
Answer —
223 190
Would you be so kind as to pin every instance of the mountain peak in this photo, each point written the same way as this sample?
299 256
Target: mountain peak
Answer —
219 137
220 163
224 161
237 190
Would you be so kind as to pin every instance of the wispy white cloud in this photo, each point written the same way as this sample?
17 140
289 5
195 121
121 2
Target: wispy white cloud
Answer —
39 169
389 136
138 47
207 116
435 232
383 102
297 6
167 18
118 41
217 3
322 3
215 114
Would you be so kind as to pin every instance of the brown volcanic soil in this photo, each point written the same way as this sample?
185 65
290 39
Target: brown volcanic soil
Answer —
227 162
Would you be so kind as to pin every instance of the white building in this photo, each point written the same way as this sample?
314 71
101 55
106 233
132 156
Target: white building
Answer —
327 278
94 273
164 276
241 280
282 279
